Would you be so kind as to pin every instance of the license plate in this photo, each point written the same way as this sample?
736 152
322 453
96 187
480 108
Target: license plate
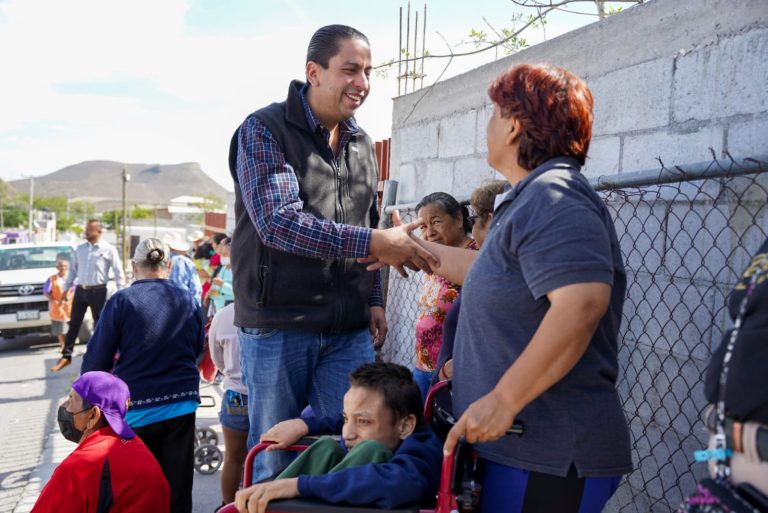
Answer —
27 315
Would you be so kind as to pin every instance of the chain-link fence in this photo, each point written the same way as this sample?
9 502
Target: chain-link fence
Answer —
686 234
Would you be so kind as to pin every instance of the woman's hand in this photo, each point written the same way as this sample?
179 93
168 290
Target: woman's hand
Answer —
485 420
446 372
255 499
285 434
218 281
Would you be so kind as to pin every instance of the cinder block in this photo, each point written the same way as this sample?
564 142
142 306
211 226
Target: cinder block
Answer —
415 142
642 152
484 114
468 174
436 177
644 314
641 228
699 241
632 98
456 136
663 465
406 187
723 79
603 157
749 138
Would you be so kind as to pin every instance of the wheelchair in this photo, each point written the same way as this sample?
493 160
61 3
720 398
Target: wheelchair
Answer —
460 476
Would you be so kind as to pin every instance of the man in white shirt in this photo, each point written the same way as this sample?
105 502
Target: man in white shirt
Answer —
90 267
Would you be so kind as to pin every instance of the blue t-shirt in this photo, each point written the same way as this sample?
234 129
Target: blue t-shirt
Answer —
549 231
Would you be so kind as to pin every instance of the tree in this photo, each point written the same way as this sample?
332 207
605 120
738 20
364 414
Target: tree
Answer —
112 219
211 202
508 39
3 199
141 213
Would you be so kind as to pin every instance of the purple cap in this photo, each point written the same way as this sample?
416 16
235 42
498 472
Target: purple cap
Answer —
110 394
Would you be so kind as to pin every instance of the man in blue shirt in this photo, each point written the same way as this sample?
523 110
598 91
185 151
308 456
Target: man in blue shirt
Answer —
90 268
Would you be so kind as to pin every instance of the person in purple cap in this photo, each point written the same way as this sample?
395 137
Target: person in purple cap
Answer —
111 469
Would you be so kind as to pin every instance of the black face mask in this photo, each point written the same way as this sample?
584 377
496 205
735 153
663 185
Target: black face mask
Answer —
67 424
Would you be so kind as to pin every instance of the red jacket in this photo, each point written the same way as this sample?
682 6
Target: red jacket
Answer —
106 473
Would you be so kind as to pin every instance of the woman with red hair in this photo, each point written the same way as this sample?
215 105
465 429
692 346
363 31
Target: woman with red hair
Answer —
537 334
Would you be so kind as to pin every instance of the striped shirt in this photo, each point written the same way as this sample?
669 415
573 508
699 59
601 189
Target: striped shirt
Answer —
270 192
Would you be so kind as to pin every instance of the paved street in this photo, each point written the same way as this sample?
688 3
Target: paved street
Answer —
30 443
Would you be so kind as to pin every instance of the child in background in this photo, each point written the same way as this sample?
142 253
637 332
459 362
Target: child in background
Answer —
221 292
224 346
59 300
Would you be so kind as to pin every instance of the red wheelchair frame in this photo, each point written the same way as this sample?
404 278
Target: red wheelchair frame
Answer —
446 499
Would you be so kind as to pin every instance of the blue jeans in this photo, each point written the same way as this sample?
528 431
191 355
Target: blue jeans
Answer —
284 370
424 380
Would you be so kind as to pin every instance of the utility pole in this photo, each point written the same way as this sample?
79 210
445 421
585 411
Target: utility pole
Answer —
31 200
126 177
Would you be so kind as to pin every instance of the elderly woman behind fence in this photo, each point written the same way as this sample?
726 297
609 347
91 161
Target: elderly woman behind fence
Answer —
150 335
541 307
444 221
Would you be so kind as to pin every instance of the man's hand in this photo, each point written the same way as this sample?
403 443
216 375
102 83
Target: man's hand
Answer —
396 247
255 499
378 326
485 420
285 434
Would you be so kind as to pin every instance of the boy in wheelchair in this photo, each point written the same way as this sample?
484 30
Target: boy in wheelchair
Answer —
387 456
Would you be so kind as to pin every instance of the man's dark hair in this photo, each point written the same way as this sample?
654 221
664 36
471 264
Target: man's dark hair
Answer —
94 221
395 384
218 237
325 42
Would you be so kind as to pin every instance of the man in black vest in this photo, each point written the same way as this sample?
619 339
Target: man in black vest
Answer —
305 208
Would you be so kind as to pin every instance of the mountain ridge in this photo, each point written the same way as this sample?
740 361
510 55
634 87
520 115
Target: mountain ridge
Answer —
100 182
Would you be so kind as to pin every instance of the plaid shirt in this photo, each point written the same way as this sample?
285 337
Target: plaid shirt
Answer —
270 192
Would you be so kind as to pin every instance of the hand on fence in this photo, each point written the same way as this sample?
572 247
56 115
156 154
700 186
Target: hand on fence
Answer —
285 434
396 247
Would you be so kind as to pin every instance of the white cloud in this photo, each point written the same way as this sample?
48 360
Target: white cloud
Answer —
212 81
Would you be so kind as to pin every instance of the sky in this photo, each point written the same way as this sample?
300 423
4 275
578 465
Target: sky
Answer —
168 81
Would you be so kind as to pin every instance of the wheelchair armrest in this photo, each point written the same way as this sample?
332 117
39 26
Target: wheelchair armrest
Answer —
315 506
299 446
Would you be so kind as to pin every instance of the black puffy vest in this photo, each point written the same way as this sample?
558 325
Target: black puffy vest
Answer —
276 289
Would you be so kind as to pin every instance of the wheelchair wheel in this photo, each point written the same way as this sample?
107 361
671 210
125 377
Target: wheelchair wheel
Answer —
208 459
206 436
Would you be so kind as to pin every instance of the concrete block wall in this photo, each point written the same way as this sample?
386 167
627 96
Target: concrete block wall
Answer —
676 82
670 79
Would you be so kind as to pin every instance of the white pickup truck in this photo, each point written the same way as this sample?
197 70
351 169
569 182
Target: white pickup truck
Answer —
24 268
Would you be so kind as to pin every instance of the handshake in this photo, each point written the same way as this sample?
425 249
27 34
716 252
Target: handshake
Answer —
399 248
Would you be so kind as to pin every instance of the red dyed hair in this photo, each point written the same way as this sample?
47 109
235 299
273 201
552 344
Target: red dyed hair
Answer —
554 107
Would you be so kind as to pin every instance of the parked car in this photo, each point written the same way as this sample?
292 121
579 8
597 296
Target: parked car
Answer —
24 268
